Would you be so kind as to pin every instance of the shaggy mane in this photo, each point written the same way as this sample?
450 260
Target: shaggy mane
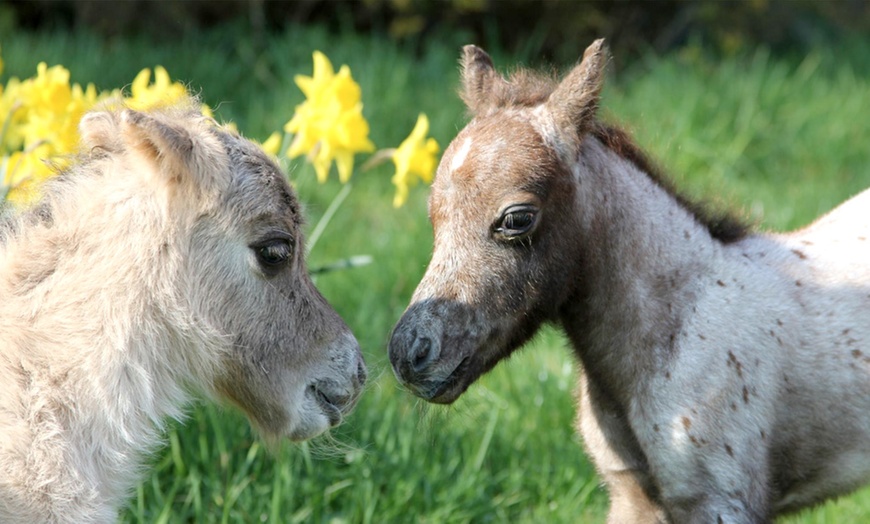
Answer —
723 225
523 88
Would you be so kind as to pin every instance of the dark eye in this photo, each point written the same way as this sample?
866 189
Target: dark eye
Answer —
273 254
516 221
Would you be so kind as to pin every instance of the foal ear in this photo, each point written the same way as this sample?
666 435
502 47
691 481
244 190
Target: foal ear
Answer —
99 130
479 79
574 102
169 146
154 137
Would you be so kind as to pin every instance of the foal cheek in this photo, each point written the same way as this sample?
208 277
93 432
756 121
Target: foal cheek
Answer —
457 272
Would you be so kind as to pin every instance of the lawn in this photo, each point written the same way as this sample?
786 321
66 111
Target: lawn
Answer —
784 138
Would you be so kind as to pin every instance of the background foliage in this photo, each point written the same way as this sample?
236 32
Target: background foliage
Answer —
544 29
777 128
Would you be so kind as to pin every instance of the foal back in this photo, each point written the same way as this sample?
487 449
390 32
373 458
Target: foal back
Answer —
825 380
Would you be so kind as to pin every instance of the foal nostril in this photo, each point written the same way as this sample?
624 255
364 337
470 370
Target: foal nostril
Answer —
422 353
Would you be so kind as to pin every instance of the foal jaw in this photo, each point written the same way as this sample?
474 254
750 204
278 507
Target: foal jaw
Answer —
326 400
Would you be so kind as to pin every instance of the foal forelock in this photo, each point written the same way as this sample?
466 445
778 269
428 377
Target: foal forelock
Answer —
258 188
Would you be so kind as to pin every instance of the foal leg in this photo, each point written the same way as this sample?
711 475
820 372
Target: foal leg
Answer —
611 445
629 504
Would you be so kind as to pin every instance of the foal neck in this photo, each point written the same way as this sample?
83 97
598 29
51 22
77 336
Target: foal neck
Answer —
98 366
641 254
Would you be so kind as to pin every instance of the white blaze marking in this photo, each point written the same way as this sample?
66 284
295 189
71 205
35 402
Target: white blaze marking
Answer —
459 157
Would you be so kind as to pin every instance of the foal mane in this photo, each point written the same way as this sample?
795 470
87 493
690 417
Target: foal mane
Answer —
524 88
722 224
528 88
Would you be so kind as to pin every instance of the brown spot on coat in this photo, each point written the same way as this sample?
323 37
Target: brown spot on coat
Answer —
732 361
729 450
800 254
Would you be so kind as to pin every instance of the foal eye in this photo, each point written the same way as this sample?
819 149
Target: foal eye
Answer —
273 254
516 221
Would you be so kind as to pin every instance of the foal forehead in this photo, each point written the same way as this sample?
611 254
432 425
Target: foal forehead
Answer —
259 190
491 158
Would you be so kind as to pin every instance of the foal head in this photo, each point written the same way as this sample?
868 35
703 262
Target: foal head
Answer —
502 210
245 321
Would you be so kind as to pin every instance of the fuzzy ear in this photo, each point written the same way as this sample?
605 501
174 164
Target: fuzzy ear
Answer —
479 79
169 146
154 137
99 130
575 101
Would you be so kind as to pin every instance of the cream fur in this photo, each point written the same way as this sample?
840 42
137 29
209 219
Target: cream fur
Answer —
133 285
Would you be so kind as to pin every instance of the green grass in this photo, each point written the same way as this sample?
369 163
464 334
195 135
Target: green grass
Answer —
783 139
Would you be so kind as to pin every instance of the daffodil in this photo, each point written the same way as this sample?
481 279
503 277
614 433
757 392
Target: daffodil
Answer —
272 144
40 118
329 125
163 92
46 109
22 173
415 156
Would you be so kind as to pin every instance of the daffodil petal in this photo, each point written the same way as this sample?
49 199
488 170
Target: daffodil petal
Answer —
272 144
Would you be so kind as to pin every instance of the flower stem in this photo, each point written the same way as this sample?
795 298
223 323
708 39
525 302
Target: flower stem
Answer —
324 220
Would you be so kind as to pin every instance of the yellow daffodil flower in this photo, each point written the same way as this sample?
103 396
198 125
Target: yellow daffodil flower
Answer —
43 112
272 144
49 110
22 174
161 93
416 155
329 125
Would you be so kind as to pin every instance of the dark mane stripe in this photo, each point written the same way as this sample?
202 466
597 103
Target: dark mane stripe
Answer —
723 225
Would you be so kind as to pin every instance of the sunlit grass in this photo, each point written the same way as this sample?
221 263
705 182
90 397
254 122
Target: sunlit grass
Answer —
784 140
